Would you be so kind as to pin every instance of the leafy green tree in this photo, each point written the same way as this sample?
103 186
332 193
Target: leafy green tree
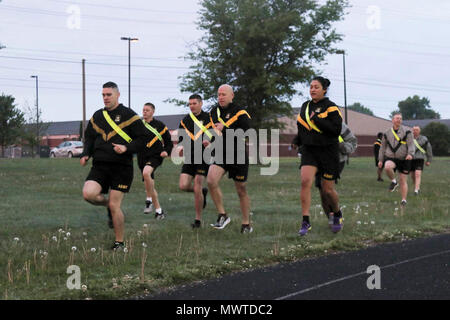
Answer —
414 108
11 122
439 136
263 49
360 108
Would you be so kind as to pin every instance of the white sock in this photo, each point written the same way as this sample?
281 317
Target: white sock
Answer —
394 181
159 210
149 199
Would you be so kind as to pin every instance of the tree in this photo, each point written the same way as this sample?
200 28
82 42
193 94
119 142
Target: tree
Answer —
34 128
439 136
414 108
263 49
11 122
360 108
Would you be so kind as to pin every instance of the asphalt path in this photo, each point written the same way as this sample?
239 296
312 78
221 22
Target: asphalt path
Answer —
410 270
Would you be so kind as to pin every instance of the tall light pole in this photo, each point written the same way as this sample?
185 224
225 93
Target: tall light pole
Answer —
345 85
129 39
37 109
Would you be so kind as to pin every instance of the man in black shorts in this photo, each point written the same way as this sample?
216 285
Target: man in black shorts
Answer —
396 152
423 148
376 150
158 146
226 118
192 131
113 134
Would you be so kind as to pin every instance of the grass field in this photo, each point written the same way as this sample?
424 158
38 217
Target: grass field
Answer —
46 226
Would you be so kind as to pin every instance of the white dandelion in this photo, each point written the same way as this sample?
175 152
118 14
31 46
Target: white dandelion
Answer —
74 248
93 249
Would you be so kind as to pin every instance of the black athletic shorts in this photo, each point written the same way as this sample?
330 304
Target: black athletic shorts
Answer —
324 158
417 164
195 169
112 176
153 162
403 166
318 180
237 172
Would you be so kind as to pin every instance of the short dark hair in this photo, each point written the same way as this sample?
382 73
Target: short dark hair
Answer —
380 135
111 85
196 96
150 105
323 81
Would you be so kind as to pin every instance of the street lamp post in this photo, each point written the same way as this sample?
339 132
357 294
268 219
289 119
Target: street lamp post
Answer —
129 39
345 84
37 109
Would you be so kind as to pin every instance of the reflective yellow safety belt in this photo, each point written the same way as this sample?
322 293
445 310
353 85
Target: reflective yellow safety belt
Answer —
419 147
200 125
220 119
155 132
116 128
341 139
311 124
396 137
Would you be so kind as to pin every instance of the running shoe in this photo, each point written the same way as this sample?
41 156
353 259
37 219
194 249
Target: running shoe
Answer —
197 224
148 207
110 221
246 228
118 246
403 203
205 192
380 179
221 222
160 216
393 186
416 192
305 228
338 224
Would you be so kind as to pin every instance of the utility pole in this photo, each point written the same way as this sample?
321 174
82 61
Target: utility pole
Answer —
83 124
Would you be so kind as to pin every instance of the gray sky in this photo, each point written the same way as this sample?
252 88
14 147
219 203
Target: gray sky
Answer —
395 49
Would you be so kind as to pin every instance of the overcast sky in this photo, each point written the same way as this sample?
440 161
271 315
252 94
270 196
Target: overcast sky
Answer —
395 49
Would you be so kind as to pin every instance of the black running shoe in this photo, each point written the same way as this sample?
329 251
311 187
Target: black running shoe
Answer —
205 192
221 222
148 207
197 224
110 221
246 228
160 216
393 186
118 246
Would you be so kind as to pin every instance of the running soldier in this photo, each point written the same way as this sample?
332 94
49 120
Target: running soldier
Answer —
113 134
423 148
193 127
158 146
396 152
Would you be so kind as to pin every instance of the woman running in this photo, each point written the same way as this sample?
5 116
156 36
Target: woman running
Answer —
319 125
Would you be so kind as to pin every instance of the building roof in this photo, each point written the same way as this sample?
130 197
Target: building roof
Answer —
424 122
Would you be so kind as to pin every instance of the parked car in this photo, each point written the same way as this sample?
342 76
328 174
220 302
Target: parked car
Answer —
67 149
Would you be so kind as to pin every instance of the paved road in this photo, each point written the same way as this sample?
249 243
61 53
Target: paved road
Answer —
416 269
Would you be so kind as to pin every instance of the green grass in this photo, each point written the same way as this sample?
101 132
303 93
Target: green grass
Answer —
41 201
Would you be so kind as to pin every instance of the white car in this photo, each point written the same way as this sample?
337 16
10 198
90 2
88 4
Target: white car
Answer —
67 149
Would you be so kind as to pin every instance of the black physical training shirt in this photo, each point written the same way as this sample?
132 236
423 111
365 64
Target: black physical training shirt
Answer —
99 136
194 134
327 118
